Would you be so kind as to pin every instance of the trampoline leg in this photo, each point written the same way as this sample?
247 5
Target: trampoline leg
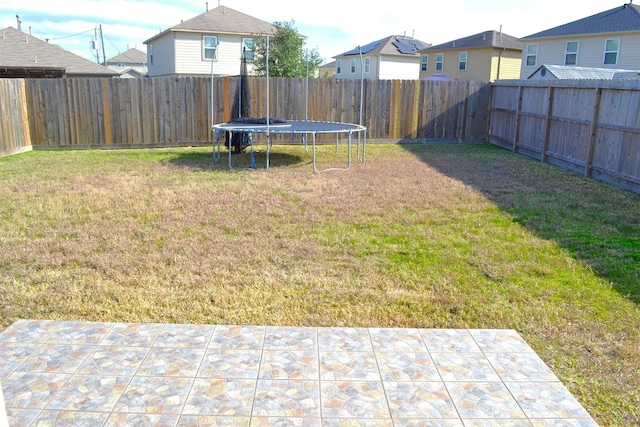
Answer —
268 151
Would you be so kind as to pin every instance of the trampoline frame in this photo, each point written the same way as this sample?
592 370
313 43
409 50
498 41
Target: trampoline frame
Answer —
293 128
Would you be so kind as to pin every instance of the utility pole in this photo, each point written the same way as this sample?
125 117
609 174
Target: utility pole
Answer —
104 58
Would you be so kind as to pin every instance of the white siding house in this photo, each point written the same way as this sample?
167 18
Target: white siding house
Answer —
216 38
610 39
394 57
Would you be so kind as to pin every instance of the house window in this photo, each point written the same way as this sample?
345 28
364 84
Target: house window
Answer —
462 61
248 48
532 55
611 47
571 54
121 65
439 61
424 62
353 65
338 66
209 47
367 65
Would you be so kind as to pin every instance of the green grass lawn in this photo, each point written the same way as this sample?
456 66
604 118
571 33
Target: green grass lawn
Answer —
430 236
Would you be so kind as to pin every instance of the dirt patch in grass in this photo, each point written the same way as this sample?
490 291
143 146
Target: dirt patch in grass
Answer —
437 235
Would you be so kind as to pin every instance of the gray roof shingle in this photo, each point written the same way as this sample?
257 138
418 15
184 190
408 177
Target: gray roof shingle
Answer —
131 56
490 38
19 50
624 18
573 72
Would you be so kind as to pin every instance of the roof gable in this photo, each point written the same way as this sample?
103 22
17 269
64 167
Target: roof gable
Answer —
485 39
223 19
621 19
573 72
131 56
392 45
21 50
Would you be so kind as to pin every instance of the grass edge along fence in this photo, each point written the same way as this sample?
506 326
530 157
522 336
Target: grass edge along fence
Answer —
590 126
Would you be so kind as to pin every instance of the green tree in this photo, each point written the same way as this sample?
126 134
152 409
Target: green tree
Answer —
287 55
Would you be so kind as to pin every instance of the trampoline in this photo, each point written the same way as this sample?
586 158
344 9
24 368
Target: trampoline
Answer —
305 128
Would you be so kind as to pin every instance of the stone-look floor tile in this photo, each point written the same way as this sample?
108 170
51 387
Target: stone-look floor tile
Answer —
78 333
521 367
546 400
235 337
407 367
31 389
433 422
222 397
483 400
353 399
500 341
130 419
449 340
4 374
414 400
187 336
171 362
212 421
132 335
28 331
563 422
21 416
350 366
90 393
287 364
12 354
344 339
497 423
225 363
56 358
354 422
464 367
70 418
287 398
396 340
291 338
155 395
113 360
284 422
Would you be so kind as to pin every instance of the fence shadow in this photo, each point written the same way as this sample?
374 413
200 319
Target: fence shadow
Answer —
597 223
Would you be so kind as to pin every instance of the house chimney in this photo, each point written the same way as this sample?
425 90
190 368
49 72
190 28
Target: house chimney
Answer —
19 22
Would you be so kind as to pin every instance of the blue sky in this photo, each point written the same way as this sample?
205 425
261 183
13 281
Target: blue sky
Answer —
331 26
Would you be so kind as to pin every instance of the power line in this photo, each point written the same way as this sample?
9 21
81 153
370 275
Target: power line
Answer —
72 35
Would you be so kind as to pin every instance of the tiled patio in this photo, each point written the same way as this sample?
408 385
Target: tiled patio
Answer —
80 373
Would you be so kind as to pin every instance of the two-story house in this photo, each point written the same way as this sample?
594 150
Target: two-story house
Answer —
610 39
129 64
394 57
214 40
486 56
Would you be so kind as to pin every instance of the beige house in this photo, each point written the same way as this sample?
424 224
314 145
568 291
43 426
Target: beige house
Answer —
214 40
394 57
129 64
486 56
609 39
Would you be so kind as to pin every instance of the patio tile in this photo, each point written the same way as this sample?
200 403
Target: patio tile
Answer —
186 336
449 340
500 341
521 367
132 335
396 340
549 399
483 400
344 339
488 422
355 422
133 419
287 364
464 367
89 393
287 398
21 416
407 367
172 362
154 395
31 331
238 337
56 358
433 422
353 399
78 333
226 363
285 422
76 418
290 338
212 421
563 422
226 397
113 360
12 354
354 366
419 400
31 389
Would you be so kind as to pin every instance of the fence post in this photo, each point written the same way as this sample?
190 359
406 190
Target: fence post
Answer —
518 108
547 125
592 133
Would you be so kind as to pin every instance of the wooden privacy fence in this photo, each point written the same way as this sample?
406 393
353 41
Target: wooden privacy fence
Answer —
592 126
14 120
159 111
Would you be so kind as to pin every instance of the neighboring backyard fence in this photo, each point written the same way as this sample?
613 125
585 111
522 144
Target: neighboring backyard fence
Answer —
14 120
589 126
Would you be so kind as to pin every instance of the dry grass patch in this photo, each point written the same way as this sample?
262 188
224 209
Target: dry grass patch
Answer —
440 235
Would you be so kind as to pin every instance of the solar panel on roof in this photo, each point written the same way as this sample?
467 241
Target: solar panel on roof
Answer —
404 46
